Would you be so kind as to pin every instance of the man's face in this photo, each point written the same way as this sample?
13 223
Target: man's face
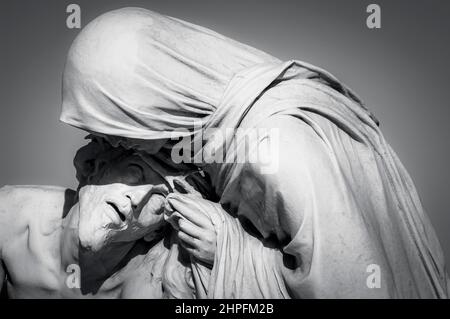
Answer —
123 202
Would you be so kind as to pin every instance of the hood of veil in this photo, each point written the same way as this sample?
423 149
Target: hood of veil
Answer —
139 74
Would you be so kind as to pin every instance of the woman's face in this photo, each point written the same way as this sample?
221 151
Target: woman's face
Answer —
146 146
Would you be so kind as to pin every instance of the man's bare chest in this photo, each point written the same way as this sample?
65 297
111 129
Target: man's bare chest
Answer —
41 270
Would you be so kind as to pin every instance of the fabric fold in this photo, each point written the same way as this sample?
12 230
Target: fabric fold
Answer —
338 202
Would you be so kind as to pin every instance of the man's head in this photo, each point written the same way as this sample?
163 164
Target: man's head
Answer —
121 198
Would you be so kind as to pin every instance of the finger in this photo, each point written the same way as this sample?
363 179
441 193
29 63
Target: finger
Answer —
191 251
189 210
197 254
185 238
197 210
168 209
190 229
185 187
173 220
200 184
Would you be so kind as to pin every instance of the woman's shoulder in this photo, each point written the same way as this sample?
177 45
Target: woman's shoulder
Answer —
290 143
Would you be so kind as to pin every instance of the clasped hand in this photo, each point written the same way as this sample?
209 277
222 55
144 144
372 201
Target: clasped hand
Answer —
190 216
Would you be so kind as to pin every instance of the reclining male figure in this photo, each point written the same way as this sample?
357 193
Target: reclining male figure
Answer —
112 230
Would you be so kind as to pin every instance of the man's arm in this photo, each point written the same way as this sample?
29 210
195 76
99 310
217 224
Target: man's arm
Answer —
5 216
2 276
3 192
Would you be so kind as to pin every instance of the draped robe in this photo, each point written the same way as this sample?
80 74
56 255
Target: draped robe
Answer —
339 209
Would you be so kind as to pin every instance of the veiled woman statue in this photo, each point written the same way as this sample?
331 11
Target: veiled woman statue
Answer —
338 205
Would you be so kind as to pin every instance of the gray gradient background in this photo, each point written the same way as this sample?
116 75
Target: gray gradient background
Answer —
401 72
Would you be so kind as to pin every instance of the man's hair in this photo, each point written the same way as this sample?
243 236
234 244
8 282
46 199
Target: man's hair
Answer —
94 156
91 159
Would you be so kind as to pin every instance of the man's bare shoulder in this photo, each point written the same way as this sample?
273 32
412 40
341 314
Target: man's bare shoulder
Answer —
16 196
17 189
20 204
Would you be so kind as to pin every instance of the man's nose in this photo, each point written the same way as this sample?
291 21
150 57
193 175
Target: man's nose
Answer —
137 196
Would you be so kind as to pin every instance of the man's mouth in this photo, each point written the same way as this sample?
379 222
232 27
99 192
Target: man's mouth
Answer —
159 193
116 216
